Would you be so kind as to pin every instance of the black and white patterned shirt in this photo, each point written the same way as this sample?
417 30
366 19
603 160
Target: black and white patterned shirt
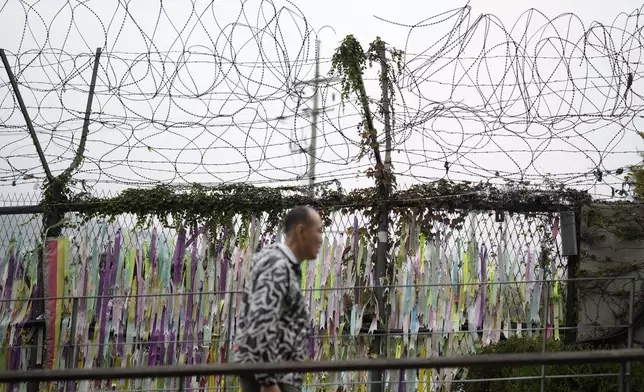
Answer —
274 319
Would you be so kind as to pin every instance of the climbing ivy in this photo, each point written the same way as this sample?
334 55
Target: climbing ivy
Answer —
349 62
56 193
616 218
217 205
636 178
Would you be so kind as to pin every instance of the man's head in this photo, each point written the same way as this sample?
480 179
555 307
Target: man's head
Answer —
303 229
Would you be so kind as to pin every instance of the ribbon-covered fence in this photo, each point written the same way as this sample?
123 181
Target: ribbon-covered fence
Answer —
118 296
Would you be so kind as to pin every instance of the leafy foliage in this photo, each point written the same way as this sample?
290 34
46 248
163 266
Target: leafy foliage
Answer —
199 204
635 178
350 61
584 382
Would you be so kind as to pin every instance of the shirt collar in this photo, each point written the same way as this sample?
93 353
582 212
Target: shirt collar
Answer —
288 252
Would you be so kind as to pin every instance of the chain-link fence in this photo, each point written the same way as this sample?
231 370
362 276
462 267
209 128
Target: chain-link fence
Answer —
123 296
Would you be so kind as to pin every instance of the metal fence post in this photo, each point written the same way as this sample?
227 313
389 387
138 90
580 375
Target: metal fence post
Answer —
71 354
622 377
572 269
631 305
182 386
384 186
544 322
229 335
72 340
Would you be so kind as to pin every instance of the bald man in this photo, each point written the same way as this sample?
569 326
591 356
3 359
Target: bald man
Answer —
274 322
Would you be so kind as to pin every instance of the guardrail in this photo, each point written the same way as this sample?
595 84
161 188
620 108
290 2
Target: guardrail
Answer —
177 371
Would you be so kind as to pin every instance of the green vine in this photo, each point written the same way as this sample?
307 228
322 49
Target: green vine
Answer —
217 205
620 219
349 62
606 226
57 192
635 178
387 78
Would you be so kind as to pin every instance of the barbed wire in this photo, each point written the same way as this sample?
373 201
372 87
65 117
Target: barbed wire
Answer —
205 92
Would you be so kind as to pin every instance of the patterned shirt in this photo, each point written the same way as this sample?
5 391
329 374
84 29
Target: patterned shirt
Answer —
274 319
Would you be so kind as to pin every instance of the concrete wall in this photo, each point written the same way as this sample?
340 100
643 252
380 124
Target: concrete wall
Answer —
611 248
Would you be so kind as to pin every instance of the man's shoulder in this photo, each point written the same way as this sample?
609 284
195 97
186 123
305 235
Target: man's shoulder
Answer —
271 257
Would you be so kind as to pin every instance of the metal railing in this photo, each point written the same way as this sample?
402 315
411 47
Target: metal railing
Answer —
510 360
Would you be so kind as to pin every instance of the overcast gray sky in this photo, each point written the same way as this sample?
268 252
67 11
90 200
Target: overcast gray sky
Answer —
172 106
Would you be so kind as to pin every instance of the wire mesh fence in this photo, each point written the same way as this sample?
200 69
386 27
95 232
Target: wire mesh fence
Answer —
119 295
